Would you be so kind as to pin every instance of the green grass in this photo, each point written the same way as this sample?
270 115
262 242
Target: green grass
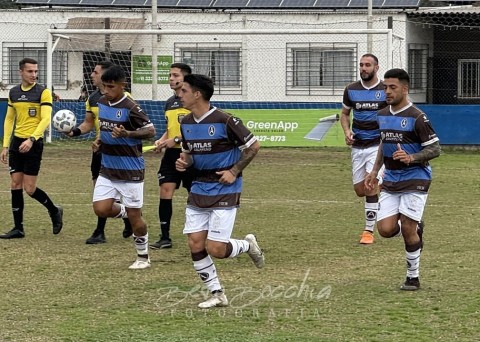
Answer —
318 284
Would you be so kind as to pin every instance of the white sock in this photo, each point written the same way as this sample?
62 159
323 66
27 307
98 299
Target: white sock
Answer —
371 210
208 273
141 245
238 247
413 263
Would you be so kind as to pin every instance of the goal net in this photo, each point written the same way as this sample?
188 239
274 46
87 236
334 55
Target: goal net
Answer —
282 83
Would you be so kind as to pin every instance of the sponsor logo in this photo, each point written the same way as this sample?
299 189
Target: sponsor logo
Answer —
200 147
280 126
366 106
391 136
22 98
203 276
211 130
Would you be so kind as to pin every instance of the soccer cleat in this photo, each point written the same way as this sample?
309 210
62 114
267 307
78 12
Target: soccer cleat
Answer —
217 299
140 264
411 284
367 238
162 244
57 220
127 231
13 234
96 239
255 252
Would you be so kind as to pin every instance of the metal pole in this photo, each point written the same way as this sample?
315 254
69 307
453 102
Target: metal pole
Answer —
48 132
154 51
369 25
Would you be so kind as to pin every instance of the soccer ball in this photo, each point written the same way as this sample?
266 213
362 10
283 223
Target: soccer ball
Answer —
64 120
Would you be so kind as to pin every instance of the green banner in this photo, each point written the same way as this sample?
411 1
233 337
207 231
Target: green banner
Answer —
142 69
293 127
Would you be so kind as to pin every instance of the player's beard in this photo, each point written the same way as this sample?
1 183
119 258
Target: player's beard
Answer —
367 76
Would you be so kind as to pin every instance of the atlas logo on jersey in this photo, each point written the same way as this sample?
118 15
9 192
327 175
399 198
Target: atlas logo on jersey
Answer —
366 106
391 137
200 147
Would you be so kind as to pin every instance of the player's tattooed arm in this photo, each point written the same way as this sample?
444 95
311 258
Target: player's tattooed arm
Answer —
247 156
429 152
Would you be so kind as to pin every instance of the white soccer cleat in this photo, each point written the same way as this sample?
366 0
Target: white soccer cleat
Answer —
255 252
217 299
140 264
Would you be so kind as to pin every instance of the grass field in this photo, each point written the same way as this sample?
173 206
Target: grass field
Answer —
318 284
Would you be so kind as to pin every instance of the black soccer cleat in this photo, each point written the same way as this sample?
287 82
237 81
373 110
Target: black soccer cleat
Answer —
411 284
13 234
57 220
96 239
162 244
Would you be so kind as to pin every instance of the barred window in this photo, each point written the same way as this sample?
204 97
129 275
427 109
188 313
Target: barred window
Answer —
14 52
220 61
417 66
319 69
468 78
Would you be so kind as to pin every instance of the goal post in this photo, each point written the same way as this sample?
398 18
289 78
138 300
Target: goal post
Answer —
268 77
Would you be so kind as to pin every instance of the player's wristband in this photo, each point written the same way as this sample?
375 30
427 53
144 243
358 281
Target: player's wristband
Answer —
76 132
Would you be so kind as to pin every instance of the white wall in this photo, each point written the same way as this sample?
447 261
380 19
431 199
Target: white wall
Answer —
264 57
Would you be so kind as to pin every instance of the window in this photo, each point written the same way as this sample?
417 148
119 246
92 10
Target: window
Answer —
468 78
220 61
417 66
14 52
315 68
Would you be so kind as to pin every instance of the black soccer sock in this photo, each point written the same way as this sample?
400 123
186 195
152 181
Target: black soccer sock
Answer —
101 222
43 198
17 208
165 215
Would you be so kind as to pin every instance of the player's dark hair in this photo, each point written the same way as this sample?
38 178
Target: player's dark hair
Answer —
200 83
184 68
401 74
24 61
105 64
371 56
114 74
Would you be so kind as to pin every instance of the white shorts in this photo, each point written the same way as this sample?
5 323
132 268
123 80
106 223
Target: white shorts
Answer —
363 160
218 222
410 204
129 193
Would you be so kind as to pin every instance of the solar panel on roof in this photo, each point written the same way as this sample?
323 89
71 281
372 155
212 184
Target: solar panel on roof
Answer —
264 3
401 3
161 3
332 4
128 2
63 2
230 3
194 3
34 1
298 3
97 2
364 3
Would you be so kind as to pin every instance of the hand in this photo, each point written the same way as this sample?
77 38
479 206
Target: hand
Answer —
25 146
96 145
402 156
181 164
3 155
226 177
349 140
371 181
119 132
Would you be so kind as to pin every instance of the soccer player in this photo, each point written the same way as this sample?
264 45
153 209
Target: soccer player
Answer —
123 125
218 147
408 143
168 177
365 97
90 122
28 115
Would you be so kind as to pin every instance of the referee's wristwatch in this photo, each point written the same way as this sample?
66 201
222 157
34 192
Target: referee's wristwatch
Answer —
32 139
177 140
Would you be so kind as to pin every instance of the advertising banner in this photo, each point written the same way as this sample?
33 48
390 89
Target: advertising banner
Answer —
142 69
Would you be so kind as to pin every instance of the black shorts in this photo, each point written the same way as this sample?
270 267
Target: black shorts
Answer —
28 163
96 164
169 174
